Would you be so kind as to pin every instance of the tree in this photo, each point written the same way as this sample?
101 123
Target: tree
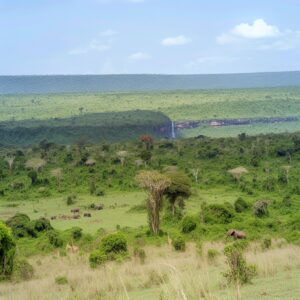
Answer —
57 174
32 174
10 161
147 140
237 173
156 184
7 251
179 189
146 156
36 164
122 155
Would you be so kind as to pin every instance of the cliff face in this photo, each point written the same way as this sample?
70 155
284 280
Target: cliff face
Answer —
111 127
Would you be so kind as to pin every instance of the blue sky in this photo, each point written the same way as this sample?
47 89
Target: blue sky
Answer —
148 36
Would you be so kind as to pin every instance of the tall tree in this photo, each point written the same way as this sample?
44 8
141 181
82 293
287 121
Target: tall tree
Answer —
155 183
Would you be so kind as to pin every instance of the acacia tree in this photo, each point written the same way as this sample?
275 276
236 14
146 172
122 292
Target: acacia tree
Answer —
147 140
7 251
180 188
155 183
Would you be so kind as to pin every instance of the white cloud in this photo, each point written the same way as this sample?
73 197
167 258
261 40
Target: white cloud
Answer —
175 41
259 29
94 45
139 56
108 32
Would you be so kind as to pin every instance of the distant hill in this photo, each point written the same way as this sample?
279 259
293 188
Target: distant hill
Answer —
130 83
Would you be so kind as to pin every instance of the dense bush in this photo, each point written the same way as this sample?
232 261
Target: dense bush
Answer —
54 239
21 226
114 244
178 243
97 257
42 224
7 251
71 199
240 205
188 224
260 208
76 233
217 214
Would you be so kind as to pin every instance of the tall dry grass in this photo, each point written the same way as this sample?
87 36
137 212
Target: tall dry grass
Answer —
168 274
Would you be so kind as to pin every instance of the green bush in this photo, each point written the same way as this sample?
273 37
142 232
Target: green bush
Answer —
260 208
188 224
54 239
212 254
61 280
71 199
217 214
76 233
22 270
239 272
97 257
7 251
287 201
240 205
114 243
179 243
21 226
42 224
266 243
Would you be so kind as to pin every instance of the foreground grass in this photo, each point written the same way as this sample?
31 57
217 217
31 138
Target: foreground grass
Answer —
165 275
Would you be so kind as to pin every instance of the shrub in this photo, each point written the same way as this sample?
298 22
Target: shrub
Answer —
240 205
33 175
42 224
266 243
140 253
76 233
287 201
22 270
212 254
54 239
179 243
7 251
114 244
239 272
61 280
260 208
217 213
71 199
97 257
21 226
188 224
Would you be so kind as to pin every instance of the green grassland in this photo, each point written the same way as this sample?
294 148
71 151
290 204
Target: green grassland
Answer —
177 105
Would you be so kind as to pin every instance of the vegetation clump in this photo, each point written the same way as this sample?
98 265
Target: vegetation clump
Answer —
188 224
240 205
21 226
178 243
260 208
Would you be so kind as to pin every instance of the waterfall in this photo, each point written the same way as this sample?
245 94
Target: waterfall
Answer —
173 134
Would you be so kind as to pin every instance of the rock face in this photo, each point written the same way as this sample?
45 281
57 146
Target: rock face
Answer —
232 122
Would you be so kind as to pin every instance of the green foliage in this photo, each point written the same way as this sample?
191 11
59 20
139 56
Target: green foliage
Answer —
212 254
239 272
240 205
22 270
76 233
114 244
96 258
54 239
42 224
188 224
260 208
61 280
21 226
71 199
33 175
7 251
178 243
266 243
216 214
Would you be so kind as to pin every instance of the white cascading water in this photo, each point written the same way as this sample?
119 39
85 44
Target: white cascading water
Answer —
173 131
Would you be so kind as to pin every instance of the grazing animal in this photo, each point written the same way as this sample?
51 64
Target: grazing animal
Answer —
238 235
99 207
75 210
88 215
53 218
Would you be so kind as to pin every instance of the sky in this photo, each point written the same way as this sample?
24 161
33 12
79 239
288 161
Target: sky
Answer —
148 36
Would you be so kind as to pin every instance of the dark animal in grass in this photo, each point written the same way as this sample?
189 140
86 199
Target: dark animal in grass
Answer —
75 210
87 215
99 207
53 218
76 216
238 235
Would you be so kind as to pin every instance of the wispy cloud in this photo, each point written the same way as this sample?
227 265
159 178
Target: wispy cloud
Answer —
139 56
94 45
175 41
